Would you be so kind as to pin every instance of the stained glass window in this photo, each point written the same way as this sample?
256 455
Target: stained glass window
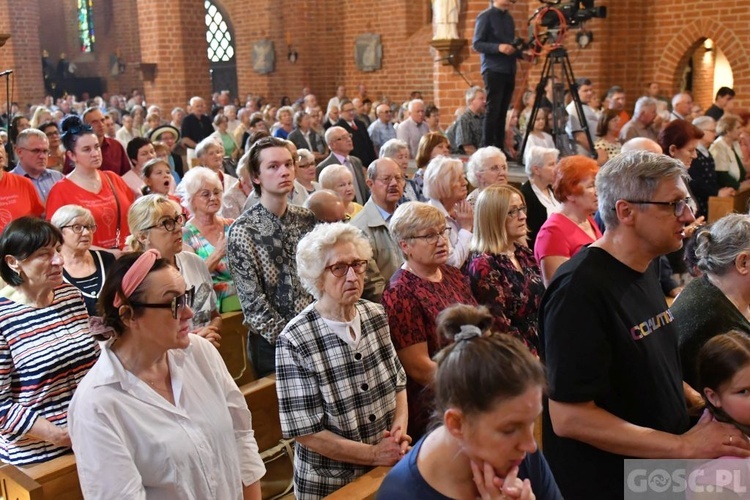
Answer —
86 25
220 44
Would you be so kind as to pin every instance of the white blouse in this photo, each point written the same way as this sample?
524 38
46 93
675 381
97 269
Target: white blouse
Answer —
131 443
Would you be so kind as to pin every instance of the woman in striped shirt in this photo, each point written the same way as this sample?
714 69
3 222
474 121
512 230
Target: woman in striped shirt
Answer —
45 346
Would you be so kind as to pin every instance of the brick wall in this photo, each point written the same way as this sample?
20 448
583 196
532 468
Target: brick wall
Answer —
21 53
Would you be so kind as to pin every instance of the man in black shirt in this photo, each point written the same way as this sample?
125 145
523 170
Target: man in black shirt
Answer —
724 97
610 345
196 126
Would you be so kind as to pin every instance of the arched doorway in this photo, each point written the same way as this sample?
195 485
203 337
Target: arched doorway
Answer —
705 70
221 53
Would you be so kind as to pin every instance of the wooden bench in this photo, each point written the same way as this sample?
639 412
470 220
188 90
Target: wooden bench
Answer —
56 479
363 488
233 348
718 207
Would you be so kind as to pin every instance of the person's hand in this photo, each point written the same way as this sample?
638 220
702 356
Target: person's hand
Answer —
464 214
712 439
744 185
691 228
402 438
220 249
210 333
387 452
506 49
491 487
695 402
727 191
61 437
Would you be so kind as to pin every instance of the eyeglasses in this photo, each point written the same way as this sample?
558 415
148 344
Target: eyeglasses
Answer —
678 206
390 178
305 165
169 224
36 151
432 238
515 212
347 110
177 304
341 269
78 228
206 194
343 137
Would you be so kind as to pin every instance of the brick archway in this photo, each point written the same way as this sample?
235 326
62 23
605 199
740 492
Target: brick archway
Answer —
676 53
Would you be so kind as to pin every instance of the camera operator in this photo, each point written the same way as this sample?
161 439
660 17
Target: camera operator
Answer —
494 33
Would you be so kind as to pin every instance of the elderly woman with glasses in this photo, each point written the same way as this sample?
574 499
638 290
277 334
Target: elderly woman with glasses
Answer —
417 292
487 167
339 382
83 267
306 171
156 223
206 231
503 273
159 416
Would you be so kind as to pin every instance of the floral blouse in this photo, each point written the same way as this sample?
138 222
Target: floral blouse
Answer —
512 296
223 283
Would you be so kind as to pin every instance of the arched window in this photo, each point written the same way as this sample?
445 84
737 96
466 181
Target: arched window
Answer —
218 36
86 25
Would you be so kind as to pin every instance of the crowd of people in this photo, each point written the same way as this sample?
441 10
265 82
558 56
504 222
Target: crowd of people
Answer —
409 311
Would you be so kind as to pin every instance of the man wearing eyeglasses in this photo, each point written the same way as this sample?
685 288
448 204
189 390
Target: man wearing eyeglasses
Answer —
32 150
616 388
340 143
381 130
386 182
362 145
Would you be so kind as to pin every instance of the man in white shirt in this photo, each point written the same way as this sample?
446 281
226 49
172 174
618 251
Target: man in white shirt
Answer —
413 128
126 132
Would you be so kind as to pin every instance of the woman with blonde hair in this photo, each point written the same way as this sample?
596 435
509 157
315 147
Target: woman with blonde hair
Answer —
338 178
502 271
728 155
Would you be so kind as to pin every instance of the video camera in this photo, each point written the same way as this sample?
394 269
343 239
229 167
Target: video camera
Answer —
549 22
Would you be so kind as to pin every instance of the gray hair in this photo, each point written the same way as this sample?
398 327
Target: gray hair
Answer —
192 182
718 245
472 92
202 148
306 154
703 121
642 103
331 174
478 160
410 107
537 156
330 132
632 176
413 217
315 249
194 100
440 173
392 147
67 213
24 135
284 109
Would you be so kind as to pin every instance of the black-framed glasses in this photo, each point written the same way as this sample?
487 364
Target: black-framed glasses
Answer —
678 206
432 238
169 223
78 228
177 304
340 269
515 212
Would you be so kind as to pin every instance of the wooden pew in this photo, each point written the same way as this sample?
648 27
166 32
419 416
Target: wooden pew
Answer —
718 207
53 480
363 488
233 348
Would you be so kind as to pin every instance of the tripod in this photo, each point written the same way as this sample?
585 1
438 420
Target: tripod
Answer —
558 68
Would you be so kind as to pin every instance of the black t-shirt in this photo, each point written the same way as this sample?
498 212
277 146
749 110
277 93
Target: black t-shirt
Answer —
91 286
607 337
196 129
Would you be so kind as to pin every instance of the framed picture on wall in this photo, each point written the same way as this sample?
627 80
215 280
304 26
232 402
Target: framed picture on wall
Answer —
264 57
368 52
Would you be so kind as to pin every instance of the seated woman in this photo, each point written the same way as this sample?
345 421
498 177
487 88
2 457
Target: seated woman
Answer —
728 155
210 153
537 191
538 135
306 171
83 267
719 300
56 156
487 166
398 151
567 231
607 145
336 356
503 273
206 231
45 346
703 179
159 416
431 145
338 178
417 292
488 396
156 223
221 124
140 151
445 189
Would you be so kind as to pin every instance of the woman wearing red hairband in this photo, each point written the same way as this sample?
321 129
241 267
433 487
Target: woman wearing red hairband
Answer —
159 415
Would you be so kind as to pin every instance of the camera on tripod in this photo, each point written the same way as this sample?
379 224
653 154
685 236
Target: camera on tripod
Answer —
575 13
549 23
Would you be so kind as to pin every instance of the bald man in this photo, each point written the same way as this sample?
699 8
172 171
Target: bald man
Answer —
327 206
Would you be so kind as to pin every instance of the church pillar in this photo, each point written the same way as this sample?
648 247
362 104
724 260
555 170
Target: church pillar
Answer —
22 52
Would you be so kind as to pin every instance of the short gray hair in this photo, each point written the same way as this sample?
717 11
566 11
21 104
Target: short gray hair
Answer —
284 109
315 249
24 135
306 154
412 217
392 147
537 156
472 92
703 121
67 213
477 162
718 245
192 182
410 107
330 175
642 103
329 133
211 141
632 176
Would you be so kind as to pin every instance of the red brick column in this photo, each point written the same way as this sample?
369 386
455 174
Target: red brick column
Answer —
22 52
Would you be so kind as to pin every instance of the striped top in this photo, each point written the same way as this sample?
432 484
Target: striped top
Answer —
44 354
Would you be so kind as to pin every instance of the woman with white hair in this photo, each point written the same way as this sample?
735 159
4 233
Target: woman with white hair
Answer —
210 153
398 151
336 357
83 267
206 231
338 178
487 166
284 122
728 154
704 182
540 199
306 171
445 189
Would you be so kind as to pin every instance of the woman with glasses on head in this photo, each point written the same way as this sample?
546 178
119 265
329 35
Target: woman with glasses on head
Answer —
159 416
206 230
423 286
156 223
503 273
336 357
83 267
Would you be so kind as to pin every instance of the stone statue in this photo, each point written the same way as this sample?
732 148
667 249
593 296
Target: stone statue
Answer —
445 19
